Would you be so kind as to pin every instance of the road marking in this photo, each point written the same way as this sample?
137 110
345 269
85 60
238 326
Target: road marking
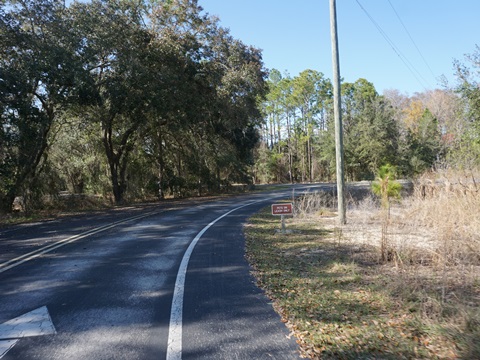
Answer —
6 345
174 345
34 323
48 248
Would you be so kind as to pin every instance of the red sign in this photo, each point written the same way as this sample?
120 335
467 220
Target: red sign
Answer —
282 209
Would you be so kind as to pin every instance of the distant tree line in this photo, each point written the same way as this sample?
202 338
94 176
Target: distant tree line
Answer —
122 97
437 128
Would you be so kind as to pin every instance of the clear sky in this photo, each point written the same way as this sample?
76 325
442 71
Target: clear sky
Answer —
295 35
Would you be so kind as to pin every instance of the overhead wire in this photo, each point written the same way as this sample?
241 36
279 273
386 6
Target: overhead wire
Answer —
411 38
421 80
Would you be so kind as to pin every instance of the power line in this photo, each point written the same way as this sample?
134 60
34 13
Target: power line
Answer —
421 80
411 38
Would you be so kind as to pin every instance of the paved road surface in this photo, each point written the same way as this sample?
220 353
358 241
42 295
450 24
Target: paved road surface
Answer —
109 295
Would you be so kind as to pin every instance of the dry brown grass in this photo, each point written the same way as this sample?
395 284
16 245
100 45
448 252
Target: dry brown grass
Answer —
433 267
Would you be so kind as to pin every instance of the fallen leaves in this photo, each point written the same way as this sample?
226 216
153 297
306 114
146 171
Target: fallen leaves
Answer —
336 308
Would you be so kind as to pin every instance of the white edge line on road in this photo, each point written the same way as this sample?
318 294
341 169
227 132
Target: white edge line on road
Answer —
48 248
6 345
174 345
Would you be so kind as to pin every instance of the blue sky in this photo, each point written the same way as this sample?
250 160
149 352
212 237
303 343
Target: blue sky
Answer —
295 35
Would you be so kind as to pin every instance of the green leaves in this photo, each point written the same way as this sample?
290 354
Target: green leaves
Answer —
178 91
385 185
466 151
294 110
38 68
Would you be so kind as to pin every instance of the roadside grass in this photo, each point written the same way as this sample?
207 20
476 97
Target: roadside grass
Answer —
341 302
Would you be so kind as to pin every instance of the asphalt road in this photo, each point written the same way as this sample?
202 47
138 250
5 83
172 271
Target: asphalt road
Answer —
117 291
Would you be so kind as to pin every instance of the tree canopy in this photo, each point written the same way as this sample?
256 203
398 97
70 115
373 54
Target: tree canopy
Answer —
164 96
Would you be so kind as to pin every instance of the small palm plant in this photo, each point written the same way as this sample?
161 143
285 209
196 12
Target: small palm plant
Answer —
386 187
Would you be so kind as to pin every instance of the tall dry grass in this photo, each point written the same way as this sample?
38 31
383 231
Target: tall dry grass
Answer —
433 241
447 207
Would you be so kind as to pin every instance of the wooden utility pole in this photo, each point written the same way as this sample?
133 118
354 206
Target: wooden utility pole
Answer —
338 115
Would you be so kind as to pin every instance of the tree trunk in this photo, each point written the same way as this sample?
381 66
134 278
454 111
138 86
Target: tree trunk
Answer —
279 134
219 180
271 134
161 166
113 163
309 157
117 189
117 160
6 202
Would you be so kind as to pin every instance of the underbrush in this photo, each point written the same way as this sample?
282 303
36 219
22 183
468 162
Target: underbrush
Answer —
341 301
55 206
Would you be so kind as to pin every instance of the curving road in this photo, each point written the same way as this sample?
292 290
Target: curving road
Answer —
168 281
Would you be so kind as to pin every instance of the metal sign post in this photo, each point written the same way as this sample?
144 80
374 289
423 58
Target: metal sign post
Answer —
282 210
